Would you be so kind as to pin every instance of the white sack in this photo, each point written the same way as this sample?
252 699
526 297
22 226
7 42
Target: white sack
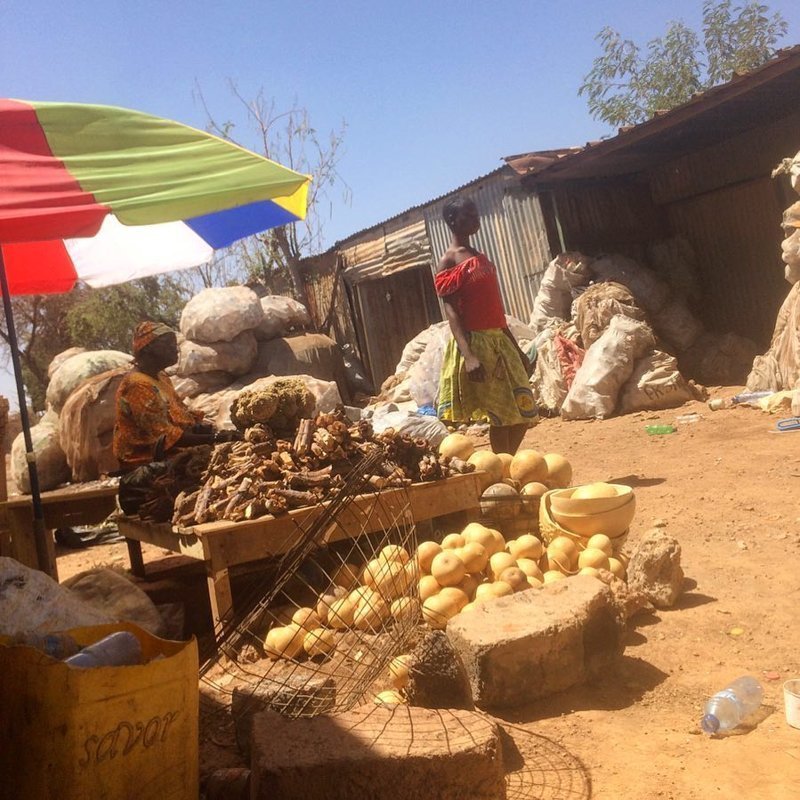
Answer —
424 375
281 315
416 347
676 325
61 357
51 462
608 364
32 602
655 384
566 273
79 368
236 356
411 424
674 261
201 383
649 291
220 315
86 426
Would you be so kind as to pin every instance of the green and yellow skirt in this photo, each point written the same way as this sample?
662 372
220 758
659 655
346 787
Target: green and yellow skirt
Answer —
504 398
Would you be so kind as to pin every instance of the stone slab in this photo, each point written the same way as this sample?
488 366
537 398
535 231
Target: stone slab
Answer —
525 646
377 752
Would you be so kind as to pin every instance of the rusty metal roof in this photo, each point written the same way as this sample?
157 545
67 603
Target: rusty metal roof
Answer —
765 94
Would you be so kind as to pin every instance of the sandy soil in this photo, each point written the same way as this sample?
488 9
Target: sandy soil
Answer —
726 486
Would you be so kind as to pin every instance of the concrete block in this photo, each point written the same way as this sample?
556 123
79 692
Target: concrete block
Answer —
518 648
377 752
301 695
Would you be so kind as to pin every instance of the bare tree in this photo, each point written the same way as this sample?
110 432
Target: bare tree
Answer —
288 137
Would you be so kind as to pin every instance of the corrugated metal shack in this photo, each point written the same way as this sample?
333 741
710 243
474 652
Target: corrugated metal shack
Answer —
700 171
385 283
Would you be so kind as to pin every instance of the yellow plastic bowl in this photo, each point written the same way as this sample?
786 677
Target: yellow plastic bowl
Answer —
561 501
612 523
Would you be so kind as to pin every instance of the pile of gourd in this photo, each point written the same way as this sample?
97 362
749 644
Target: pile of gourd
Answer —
473 566
465 570
365 599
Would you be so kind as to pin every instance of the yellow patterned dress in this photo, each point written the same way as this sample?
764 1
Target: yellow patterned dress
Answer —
504 397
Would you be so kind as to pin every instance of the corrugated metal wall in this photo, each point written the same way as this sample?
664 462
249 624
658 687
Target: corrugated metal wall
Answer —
391 250
512 235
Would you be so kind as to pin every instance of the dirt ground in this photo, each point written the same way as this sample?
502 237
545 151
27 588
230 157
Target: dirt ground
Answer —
726 486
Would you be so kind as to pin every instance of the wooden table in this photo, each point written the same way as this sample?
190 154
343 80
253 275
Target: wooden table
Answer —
76 504
223 545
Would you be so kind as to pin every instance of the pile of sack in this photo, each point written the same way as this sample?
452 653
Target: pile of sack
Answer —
230 339
779 368
614 336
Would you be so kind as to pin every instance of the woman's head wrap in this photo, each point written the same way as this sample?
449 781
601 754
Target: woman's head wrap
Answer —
147 332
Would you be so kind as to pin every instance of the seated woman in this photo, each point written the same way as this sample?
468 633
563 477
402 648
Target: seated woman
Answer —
484 374
148 407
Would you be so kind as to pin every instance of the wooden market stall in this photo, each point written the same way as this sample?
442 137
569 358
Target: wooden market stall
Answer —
223 546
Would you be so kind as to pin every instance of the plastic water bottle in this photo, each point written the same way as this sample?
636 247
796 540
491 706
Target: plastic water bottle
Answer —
727 708
115 650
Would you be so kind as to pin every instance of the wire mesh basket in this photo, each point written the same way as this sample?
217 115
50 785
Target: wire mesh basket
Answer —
323 625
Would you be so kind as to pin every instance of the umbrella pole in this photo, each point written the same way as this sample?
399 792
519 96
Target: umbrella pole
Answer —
40 533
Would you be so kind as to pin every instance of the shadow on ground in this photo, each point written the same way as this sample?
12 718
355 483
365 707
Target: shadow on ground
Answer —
624 686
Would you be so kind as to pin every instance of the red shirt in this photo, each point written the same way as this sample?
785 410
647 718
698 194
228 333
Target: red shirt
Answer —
471 287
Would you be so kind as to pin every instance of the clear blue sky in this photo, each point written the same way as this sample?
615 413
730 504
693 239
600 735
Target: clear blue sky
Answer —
433 93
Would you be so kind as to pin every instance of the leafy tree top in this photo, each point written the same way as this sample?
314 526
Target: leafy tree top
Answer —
629 84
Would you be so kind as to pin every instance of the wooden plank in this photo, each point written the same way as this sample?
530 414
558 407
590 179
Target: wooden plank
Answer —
233 543
76 492
435 499
162 535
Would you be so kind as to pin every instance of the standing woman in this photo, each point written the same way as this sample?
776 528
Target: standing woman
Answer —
484 373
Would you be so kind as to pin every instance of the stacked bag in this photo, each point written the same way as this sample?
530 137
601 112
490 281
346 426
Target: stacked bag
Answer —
779 368
230 339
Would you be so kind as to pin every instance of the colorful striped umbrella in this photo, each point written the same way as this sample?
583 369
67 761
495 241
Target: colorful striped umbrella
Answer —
106 195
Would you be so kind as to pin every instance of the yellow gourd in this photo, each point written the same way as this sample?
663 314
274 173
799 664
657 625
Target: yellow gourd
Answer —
593 558
394 552
488 466
551 576
601 542
306 618
529 466
456 445
515 578
530 568
448 569
501 589
452 594
559 471
399 668
285 641
498 562
341 614
319 642
425 554
474 556
437 610
389 698
506 459
405 610
452 541
616 567
371 614
428 587
526 546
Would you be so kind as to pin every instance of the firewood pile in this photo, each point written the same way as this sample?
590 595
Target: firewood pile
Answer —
263 474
